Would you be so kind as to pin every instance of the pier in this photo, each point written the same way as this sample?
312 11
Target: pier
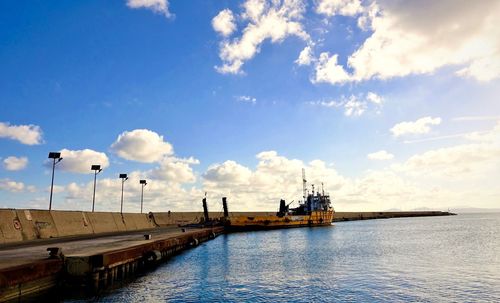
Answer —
41 250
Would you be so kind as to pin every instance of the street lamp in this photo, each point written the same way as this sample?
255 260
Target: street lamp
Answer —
54 156
97 169
124 178
143 183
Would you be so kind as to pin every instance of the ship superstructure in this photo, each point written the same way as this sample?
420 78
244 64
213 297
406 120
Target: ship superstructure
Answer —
314 210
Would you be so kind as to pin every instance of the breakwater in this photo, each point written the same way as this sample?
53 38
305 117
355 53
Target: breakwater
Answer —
40 249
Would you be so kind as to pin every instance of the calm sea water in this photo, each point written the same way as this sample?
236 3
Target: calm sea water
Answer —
434 259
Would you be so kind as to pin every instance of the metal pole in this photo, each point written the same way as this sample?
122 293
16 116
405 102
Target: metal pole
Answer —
93 198
142 196
52 184
121 207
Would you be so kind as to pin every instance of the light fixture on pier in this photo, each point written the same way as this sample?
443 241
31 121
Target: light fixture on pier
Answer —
56 157
97 169
143 183
124 178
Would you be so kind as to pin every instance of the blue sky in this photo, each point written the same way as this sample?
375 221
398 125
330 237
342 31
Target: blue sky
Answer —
86 72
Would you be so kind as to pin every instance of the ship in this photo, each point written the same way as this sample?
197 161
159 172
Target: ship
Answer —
315 209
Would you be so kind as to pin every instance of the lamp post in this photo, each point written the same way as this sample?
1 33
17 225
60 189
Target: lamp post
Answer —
97 169
143 183
124 178
54 156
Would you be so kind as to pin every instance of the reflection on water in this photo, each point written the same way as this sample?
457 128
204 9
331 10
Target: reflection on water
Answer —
441 259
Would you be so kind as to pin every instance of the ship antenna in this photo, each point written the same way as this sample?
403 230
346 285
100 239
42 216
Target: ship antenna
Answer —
304 183
322 189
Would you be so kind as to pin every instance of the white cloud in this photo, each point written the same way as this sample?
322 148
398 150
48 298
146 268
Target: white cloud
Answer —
246 99
412 38
476 118
224 23
157 6
456 161
267 20
421 126
80 161
274 177
328 70
15 163
26 134
141 145
159 195
464 160
380 155
305 57
227 173
339 7
374 98
15 187
354 106
175 170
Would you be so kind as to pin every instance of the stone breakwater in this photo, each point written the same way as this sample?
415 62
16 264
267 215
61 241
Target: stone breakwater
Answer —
40 250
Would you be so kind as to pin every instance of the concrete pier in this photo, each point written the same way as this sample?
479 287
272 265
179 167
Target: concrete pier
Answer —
90 263
40 250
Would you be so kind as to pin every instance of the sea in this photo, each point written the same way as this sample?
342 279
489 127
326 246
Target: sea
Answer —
424 259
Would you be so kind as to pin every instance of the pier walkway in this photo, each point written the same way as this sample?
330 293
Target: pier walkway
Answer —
30 268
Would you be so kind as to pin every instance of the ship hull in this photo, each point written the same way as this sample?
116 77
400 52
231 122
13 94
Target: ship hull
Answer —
244 223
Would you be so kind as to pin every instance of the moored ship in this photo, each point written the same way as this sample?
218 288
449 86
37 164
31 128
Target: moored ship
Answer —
314 210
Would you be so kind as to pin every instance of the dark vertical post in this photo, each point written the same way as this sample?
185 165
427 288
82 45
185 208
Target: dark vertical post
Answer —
93 197
224 206
142 197
121 203
205 209
124 178
143 183
52 183
97 169
54 156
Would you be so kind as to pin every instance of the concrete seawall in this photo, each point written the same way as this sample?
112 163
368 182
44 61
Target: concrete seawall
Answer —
90 265
126 243
176 218
18 225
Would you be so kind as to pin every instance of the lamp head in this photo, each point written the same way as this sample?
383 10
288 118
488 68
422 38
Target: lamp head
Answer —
55 155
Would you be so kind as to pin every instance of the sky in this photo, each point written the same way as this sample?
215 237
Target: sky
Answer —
389 104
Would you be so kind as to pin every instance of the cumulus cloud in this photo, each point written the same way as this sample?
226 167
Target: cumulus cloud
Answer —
328 70
15 163
305 57
14 186
80 161
415 38
227 173
224 23
275 177
141 145
159 195
157 6
26 134
246 99
339 7
175 170
354 105
421 126
266 20
380 155
455 161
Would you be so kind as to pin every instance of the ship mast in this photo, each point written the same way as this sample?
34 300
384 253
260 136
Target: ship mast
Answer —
304 184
